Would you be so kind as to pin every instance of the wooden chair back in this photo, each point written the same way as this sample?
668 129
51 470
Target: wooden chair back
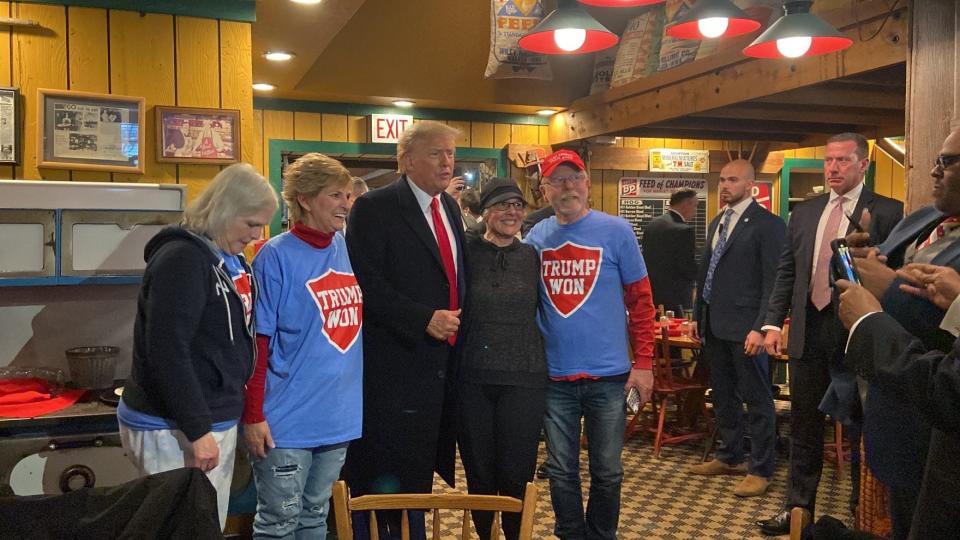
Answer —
662 364
343 505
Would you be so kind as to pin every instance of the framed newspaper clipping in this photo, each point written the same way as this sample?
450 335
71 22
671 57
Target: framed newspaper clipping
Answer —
88 131
10 128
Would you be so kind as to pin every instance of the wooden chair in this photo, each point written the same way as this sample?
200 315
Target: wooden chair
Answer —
799 519
668 385
343 505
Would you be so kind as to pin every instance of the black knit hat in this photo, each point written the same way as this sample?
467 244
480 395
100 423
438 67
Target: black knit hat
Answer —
498 190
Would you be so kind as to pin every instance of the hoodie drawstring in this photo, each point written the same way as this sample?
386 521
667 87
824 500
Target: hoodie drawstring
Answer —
222 290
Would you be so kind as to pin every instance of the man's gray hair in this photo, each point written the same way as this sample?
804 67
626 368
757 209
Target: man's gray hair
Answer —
863 149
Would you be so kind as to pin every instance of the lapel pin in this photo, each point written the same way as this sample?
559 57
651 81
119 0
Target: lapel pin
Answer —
746 220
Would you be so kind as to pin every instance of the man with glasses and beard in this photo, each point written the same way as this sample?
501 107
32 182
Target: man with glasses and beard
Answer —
594 298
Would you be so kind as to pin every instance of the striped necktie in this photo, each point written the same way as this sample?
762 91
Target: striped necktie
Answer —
717 253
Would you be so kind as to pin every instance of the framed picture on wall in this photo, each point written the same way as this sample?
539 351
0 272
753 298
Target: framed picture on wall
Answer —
88 131
191 135
9 126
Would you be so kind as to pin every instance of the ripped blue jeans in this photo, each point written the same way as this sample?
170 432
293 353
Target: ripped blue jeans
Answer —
293 491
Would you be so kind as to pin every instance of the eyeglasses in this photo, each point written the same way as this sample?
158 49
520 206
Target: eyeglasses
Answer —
946 160
503 206
558 181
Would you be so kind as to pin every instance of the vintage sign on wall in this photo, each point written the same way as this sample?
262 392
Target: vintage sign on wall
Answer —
682 161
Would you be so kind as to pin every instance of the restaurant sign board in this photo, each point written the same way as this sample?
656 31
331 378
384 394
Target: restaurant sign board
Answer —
387 128
682 161
660 186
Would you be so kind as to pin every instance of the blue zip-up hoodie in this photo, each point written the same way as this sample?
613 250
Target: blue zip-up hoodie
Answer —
192 351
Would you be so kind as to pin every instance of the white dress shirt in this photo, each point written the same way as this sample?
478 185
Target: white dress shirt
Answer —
424 200
738 210
853 196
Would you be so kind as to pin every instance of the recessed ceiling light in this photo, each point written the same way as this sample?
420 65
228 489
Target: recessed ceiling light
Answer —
278 56
263 87
403 103
546 112
308 2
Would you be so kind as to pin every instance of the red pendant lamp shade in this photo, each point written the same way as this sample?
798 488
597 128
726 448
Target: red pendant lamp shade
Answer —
568 30
621 3
798 33
731 19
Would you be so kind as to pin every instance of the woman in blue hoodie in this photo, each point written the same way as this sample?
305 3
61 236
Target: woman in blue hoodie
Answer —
193 348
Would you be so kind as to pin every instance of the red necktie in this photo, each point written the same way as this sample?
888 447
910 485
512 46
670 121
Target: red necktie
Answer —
942 229
446 257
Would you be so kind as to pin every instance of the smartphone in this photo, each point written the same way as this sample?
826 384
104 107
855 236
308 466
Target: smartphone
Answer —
842 253
633 400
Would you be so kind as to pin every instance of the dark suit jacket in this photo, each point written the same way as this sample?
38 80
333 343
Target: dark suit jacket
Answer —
669 247
791 292
395 258
892 359
744 276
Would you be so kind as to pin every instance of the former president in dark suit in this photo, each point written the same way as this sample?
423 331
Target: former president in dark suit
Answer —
737 271
407 248
802 288
669 246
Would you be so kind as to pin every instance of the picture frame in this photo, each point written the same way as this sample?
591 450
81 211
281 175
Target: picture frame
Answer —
90 131
197 135
10 125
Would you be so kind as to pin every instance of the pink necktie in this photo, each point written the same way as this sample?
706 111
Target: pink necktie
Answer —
446 257
820 295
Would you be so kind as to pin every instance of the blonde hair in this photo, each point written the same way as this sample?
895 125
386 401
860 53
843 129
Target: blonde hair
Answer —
309 175
416 134
237 191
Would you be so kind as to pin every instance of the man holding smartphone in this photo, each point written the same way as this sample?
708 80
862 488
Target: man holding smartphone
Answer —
737 271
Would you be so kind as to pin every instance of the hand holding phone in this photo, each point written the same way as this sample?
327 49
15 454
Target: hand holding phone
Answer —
845 259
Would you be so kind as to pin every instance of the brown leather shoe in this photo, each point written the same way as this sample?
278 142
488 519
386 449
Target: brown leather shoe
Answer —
751 486
716 467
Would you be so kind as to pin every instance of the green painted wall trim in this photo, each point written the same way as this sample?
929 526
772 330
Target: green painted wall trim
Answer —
280 146
231 10
797 163
357 109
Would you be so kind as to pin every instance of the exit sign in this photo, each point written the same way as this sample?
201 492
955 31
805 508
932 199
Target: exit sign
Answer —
386 128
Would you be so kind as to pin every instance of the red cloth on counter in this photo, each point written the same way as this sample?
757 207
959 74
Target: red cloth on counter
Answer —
26 398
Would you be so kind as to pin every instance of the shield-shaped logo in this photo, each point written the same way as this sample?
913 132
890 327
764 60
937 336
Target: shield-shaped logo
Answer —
340 301
569 273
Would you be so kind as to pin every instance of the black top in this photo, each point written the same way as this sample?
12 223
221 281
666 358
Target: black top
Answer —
192 349
501 342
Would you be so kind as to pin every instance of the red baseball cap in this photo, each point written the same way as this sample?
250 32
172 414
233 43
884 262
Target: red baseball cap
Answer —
558 158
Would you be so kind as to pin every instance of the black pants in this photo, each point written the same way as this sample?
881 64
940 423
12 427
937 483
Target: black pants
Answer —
737 379
499 433
809 379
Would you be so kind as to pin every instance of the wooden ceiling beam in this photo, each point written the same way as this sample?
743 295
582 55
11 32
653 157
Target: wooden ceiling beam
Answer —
811 113
839 97
755 126
721 135
728 77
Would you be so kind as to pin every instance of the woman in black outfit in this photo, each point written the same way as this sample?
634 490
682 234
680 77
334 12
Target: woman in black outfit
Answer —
503 373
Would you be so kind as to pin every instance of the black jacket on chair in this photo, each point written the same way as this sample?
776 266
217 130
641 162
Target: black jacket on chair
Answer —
744 276
669 249
407 412
791 292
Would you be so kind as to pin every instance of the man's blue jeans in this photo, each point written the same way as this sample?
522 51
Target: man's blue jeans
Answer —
601 405
293 491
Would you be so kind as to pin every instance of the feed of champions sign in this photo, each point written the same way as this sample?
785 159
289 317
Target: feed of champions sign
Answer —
569 274
340 301
660 187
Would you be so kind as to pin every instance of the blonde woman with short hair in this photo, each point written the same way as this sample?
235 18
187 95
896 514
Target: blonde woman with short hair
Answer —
193 335
309 355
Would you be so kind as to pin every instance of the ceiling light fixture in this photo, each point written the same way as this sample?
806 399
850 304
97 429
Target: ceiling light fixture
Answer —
278 56
263 87
712 19
798 33
306 2
621 3
404 103
546 112
568 30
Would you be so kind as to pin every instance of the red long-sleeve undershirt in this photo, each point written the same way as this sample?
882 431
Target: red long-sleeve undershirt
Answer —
638 298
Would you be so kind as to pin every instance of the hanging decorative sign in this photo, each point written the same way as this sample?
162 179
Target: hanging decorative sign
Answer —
660 187
387 128
684 161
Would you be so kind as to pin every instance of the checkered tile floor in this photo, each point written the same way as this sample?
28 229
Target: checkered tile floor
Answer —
660 501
